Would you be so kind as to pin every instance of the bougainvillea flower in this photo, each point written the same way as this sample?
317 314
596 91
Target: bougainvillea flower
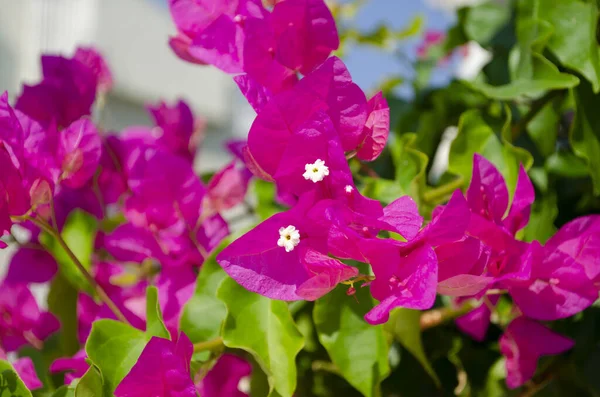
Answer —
523 342
406 273
213 32
171 378
79 153
95 62
305 32
165 189
283 257
14 199
461 267
65 94
488 196
180 132
580 239
260 61
229 377
24 368
31 265
21 321
227 188
477 321
256 94
377 128
346 103
558 287
329 89
402 279
74 367
32 150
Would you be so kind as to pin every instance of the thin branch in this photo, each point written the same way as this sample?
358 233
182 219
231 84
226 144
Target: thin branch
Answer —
439 193
90 279
211 345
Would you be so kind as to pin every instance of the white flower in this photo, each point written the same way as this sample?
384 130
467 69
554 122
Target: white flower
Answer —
348 189
289 238
316 171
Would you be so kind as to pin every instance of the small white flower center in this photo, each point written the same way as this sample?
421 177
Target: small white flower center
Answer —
348 189
289 238
316 171
244 385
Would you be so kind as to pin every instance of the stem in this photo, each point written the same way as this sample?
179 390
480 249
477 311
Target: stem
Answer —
326 366
434 195
435 317
350 154
535 108
209 345
90 279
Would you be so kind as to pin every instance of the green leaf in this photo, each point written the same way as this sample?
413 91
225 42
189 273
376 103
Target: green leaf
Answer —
546 76
265 193
204 313
574 39
155 325
483 21
541 222
10 381
64 391
90 384
565 163
62 302
79 233
476 136
532 37
358 349
264 328
410 164
114 348
585 133
405 326
543 128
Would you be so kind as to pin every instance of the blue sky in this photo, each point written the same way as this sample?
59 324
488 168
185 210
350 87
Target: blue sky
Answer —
369 66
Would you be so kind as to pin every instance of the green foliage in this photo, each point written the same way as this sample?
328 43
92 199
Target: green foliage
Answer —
62 302
155 325
358 349
114 348
10 383
79 233
204 313
264 328
404 325
90 384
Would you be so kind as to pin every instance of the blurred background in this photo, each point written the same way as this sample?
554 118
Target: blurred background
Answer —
132 35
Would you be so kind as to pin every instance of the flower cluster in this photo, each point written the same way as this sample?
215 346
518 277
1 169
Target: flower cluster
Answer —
157 221
305 130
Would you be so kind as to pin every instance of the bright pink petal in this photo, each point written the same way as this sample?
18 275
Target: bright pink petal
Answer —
224 377
523 342
559 287
518 217
227 188
30 265
79 153
172 377
256 94
401 279
347 105
377 128
487 194
403 216
26 370
306 33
